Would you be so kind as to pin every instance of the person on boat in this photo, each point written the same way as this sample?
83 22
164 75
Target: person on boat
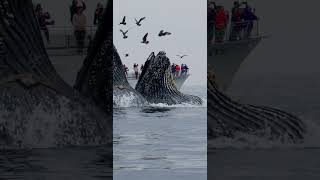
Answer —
79 22
125 69
182 69
136 70
178 69
74 5
141 67
221 23
98 14
249 17
211 16
236 22
186 69
173 69
44 19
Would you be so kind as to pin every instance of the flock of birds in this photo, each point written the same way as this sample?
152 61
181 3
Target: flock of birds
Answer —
138 23
145 37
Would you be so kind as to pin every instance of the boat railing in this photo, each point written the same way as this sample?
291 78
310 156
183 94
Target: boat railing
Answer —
131 75
243 30
62 37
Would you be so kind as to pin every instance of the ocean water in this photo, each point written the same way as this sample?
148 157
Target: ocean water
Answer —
80 163
161 142
156 142
251 158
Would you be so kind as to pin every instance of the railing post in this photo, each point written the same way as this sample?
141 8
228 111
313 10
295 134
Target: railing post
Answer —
257 27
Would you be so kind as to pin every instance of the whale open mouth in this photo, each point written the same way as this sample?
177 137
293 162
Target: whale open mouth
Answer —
156 83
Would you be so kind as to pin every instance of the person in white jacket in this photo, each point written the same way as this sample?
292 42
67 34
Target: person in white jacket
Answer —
79 21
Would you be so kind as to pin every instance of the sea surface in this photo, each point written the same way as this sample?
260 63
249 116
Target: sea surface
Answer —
251 158
161 142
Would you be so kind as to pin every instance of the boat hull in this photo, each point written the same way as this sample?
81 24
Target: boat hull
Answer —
225 59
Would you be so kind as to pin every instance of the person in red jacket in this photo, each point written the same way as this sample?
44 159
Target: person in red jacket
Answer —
178 69
221 24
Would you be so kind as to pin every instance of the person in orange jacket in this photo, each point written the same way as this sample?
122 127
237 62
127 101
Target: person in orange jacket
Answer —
221 24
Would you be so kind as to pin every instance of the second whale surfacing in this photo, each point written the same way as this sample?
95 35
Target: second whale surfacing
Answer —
123 93
156 83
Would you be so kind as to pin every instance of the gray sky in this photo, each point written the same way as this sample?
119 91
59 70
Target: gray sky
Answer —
186 20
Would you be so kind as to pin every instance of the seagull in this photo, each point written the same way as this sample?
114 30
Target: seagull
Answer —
182 56
123 21
124 34
139 22
162 33
144 39
127 55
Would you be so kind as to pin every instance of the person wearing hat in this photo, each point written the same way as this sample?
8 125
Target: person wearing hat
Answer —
79 22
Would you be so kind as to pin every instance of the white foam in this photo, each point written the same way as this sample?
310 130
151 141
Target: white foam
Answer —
126 100
189 105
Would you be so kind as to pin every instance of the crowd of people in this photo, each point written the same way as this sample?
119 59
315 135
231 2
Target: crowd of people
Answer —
242 21
178 70
77 17
44 19
136 69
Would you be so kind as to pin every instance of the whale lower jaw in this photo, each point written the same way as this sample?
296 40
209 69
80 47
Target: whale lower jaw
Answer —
227 118
172 98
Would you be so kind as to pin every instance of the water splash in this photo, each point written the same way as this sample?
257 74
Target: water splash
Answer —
129 99
188 105
45 127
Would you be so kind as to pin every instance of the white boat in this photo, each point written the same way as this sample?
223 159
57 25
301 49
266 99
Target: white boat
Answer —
225 59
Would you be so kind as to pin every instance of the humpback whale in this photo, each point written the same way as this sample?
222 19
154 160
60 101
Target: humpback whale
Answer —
227 118
37 107
156 83
94 80
121 86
